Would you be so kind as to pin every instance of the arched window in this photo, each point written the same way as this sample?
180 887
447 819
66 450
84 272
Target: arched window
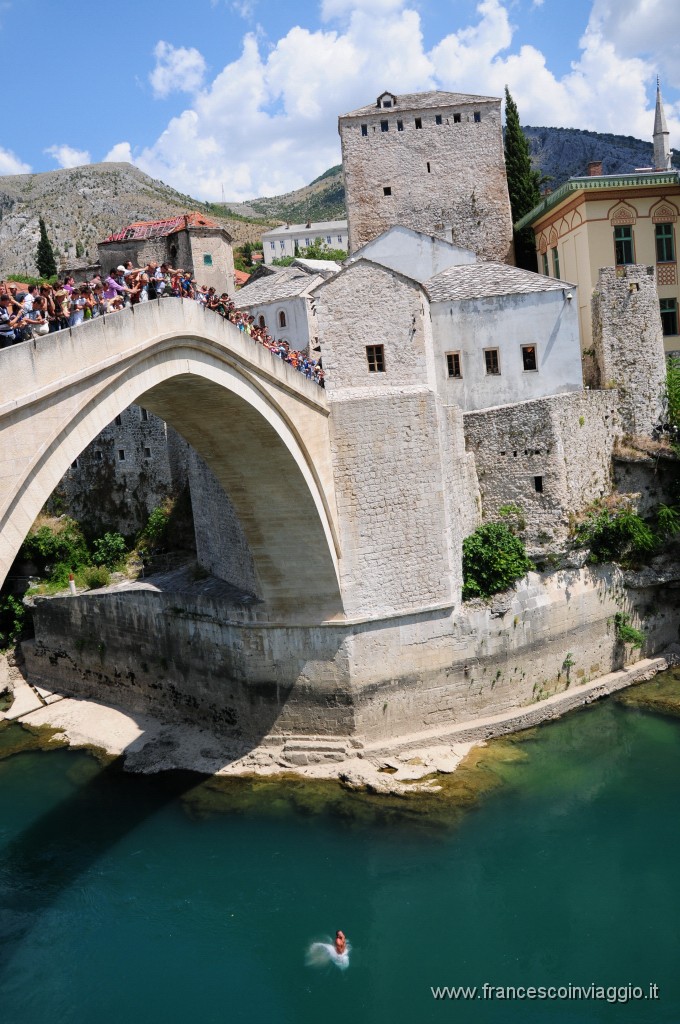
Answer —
261 321
282 318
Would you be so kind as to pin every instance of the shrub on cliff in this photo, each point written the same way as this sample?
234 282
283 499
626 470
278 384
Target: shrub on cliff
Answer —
493 559
109 551
621 536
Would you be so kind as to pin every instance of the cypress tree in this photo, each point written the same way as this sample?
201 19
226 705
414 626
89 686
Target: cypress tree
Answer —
523 183
44 256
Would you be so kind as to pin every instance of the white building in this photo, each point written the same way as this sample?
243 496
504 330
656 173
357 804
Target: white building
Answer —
281 301
284 240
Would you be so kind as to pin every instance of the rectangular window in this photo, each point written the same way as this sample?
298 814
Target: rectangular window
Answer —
477 116
387 103
529 357
364 129
453 364
118 421
538 484
387 190
98 456
400 126
207 259
428 167
419 122
491 361
437 118
272 245
456 118
623 245
74 465
308 242
144 415
121 455
340 239
328 239
384 126
669 315
556 262
282 243
665 249
546 268
375 356
147 453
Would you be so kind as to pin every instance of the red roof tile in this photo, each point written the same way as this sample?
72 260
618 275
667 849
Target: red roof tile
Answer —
141 229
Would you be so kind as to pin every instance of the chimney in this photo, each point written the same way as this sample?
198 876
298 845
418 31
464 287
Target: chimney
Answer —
594 168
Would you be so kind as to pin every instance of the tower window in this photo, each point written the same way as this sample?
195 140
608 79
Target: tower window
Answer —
419 122
118 421
538 484
477 117
121 455
529 357
387 190
437 118
456 118
453 364
75 464
144 415
623 245
400 126
375 357
428 167
491 361
364 129
669 315
147 453
384 126
98 457
665 250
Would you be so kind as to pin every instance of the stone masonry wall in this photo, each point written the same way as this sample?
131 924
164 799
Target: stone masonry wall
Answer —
628 344
463 197
565 440
199 660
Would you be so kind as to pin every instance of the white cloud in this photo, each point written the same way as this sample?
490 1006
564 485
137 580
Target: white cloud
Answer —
11 164
267 122
67 156
178 69
120 153
648 28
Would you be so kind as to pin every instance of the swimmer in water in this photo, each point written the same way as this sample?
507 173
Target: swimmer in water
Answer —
340 943
337 952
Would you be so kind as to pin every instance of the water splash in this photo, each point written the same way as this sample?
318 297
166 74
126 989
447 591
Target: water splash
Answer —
320 954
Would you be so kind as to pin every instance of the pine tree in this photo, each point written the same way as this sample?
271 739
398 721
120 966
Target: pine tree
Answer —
523 183
44 256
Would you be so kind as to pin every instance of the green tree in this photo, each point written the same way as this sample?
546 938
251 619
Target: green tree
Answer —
318 250
44 256
493 559
523 183
80 249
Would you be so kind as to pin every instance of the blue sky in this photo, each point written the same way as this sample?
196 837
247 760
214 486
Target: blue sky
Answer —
244 94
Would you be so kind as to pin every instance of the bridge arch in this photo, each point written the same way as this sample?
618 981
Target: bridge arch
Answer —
260 426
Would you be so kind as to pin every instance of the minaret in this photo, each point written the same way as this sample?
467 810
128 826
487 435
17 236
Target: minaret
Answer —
662 151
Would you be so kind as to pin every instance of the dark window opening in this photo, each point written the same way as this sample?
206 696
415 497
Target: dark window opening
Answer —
387 103
207 259
364 129
529 357
262 321
538 484
375 356
491 361
121 455
282 318
477 116
456 118
387 190
384 126
118 421
74 465
144 415
453 364
428 167
546 268
669 315
437 118
400 126
419 122
556 262
98 456
623 246
665 249
147 453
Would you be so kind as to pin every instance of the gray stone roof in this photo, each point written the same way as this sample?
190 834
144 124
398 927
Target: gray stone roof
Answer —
288 283
482 280
423 101
300 230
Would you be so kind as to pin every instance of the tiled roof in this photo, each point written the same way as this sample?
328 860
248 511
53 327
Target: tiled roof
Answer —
141 229
482 280
423 101
241 277
287 284
306 229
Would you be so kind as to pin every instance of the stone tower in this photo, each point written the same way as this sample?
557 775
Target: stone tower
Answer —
662 150
430 161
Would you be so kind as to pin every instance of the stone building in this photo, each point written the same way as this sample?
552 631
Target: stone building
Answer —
615 220
190 242
293 239
431 161
283 303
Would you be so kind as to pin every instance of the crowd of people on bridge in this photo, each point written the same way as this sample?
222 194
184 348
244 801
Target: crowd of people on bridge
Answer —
45 309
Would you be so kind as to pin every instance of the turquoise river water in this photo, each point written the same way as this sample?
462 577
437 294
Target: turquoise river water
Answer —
555 862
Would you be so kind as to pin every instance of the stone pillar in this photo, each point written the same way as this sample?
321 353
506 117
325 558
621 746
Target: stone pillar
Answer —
628 344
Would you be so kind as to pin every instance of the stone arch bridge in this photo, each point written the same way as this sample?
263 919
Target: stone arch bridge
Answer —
261 426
